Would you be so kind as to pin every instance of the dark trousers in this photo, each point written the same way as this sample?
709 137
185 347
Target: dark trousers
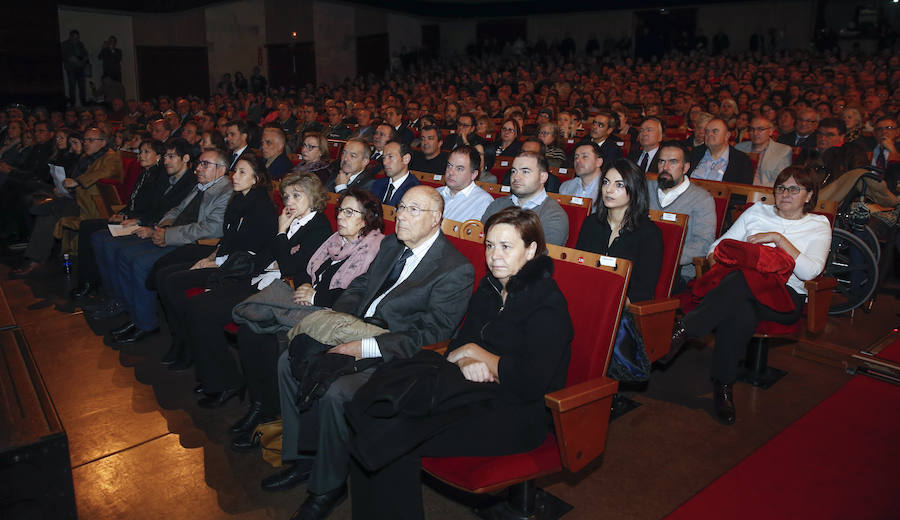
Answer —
40 245
75 78
259 359
732 312
87 261
172 281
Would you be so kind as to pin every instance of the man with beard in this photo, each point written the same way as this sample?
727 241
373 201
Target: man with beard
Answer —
673 192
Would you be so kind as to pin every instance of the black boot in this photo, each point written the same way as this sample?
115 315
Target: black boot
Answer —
723 402
251 420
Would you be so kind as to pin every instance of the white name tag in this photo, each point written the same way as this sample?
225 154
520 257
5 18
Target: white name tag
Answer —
570 141
438 177
504 163
608 261
563 170
577 200
620 143
504 189
671 217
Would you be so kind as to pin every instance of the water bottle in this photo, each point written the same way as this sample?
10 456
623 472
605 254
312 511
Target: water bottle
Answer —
67 264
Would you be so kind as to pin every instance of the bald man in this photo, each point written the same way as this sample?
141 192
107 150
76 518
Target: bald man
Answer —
716 160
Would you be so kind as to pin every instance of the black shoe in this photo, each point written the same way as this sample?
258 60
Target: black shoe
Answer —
83 290
251 419
680 336
246 441
290 477
124 329
110 309
173 354
133 337
723 403
220 399
199 389
318 507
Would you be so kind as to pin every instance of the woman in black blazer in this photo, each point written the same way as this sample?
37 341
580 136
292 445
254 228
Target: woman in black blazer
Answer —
622 228
514 346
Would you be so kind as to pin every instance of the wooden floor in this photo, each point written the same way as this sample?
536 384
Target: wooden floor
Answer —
142 449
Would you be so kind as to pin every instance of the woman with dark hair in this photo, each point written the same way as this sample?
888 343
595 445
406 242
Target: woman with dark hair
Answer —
512 348
732 309
338 261
621 227
507 144
314 156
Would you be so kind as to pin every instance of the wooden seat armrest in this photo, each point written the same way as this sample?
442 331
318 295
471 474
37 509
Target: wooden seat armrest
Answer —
701 264
208 241
819 292
655 318
117 207
440 347
580 420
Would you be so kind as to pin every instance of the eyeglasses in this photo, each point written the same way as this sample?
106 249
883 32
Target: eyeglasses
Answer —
508 129
207 164
348 212
464 125
414 211
793 190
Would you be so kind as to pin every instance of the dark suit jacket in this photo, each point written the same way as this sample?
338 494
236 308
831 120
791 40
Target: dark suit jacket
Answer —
425 308
380 186
789 139
635 156
363 180
610 151
280 166
739 169
405 135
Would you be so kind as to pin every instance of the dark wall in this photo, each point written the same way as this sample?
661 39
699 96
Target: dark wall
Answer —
30 58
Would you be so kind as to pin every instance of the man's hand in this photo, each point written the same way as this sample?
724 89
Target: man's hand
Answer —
888 144
342 178
204 263
354 348
303 295
475 371
159 236
143 232
165 223
70 183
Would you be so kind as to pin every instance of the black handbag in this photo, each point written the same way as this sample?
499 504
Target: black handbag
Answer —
238 267
629 361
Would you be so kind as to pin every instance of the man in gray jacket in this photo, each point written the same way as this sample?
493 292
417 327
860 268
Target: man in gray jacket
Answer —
527 177
200 215
772 157
673 192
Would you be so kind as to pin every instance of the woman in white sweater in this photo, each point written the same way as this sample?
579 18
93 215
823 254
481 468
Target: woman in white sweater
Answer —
730 310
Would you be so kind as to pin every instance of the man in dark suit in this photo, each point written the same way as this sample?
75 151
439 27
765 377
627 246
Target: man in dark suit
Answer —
354 158
603 128
804 134
272 146
416 288
393 117
365 130
650 134
396 159
715 160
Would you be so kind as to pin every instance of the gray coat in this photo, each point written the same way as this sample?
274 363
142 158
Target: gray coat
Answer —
777 157
553 218
699 205
209 220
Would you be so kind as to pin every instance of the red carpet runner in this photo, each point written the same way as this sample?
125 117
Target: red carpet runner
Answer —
839 461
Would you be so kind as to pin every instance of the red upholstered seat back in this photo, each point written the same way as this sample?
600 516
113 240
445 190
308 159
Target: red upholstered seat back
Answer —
502 164
596 295
577 211
473 250
674 229
132 170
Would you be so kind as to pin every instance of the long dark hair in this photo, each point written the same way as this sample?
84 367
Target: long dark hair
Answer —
638 194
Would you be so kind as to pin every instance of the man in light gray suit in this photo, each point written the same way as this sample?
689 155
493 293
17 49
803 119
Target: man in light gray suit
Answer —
773 156
417 288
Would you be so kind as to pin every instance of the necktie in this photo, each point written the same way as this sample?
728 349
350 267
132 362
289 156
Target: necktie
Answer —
376 156
234 158
389 193
644 162
879 160
797 140
394 275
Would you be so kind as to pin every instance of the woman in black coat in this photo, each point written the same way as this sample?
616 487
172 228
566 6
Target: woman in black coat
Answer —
516 339
621 228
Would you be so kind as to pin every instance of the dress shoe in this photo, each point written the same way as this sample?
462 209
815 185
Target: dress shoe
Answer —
679 338
723 403
289 477
199 389
318 507
83 290
246 441
124 329
173 354
22 272
220 399
251 419
110 309
133 337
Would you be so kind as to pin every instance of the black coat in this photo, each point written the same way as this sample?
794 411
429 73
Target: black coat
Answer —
309 238
791 137
163 197
652 164
250 222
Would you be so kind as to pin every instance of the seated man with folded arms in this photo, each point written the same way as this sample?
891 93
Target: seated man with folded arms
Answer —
127 261
416 288
673 192
463 199
528 175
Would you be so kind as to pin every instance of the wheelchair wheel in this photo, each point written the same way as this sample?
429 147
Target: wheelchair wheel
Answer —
868 237
855 267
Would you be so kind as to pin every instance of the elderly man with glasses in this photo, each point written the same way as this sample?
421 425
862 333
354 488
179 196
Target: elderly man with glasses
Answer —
773 156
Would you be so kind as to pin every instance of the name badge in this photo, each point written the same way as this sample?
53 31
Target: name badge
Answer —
504 189
608 261
577 200
504 163
438 177
563 170
671 217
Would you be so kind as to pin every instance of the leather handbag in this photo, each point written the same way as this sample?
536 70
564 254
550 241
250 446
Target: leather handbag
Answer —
238 267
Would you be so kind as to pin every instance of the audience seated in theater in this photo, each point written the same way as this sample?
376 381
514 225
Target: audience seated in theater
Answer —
465 134
345 255
126 262
773 157
421 305
272 147
650 135
528 175
733 308
548 135
673 192
463 199
314 156
514 344
98 162
604 127
430 159
352 170
588 170
716 160
155 192
621 227
804 134
390 189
